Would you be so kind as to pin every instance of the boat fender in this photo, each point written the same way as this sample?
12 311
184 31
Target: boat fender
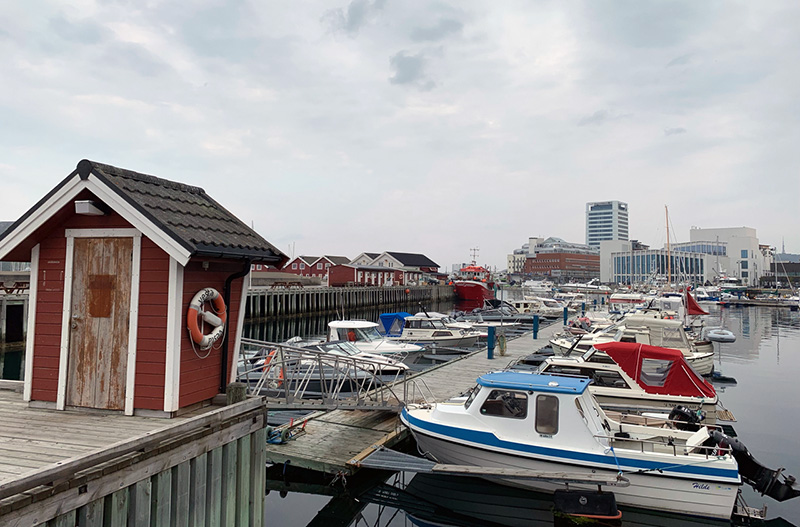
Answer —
216 318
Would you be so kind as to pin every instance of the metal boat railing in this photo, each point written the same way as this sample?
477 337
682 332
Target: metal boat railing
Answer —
290 377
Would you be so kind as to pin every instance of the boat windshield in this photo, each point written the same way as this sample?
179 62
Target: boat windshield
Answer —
368 334
472 394
346 349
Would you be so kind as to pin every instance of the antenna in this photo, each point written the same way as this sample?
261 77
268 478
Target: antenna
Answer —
474 254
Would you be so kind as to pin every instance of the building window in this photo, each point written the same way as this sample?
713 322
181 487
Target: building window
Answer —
294 265
744 264
744 253
319 266
302 266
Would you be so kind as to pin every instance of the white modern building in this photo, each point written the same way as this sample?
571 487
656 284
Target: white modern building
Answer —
606 220
709 255
747 259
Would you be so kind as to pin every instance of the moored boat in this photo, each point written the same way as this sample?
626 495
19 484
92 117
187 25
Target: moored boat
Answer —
639 379
512 421
424 330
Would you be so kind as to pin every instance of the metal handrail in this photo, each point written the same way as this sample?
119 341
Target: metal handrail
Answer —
290 375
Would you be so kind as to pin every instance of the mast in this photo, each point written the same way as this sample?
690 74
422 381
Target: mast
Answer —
669 254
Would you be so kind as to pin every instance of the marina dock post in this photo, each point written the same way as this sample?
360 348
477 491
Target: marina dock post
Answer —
566 314
490 343
535 327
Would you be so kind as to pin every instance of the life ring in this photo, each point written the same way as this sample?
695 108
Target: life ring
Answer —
216 318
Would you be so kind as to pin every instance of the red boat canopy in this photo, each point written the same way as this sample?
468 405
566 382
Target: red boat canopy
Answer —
692 307
658 370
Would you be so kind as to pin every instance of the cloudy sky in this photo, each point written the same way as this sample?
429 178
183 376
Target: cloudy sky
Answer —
430 127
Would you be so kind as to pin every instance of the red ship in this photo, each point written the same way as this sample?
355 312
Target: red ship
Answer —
474 284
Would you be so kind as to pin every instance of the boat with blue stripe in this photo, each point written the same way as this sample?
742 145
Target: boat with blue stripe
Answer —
546 423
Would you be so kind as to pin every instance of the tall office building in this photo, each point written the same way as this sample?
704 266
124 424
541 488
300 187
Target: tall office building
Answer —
606 220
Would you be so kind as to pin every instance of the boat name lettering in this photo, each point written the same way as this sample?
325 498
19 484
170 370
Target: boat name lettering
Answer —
701 486
546 435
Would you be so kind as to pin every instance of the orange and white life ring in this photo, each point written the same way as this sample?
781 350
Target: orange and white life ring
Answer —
216 317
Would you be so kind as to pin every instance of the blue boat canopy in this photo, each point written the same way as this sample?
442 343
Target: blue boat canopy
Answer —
392 323
513 380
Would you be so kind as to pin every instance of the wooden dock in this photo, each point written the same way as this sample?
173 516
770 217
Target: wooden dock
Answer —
265 302
333 442
106 469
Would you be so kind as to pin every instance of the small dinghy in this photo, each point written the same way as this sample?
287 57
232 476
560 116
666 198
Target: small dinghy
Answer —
719 335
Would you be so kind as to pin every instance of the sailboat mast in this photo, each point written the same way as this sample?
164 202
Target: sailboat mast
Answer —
669 254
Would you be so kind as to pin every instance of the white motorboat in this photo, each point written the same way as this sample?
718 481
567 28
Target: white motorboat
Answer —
640 379
404 327
452 323
366 337
546 424
644 329
536 305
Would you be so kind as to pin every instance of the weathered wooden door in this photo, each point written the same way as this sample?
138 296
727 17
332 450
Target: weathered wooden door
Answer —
99 325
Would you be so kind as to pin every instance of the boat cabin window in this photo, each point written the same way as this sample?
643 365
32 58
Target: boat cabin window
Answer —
609 378
472 394
442 334
655 371
547 414
506 403
672 338
597 356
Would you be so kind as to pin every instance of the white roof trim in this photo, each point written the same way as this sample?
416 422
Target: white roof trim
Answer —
68 192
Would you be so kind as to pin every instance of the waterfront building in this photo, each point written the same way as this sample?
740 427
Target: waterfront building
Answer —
747 259
371 275
710 255
561 260
625 263
314 266
606 220
121 265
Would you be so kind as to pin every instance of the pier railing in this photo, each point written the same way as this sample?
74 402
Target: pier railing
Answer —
290 377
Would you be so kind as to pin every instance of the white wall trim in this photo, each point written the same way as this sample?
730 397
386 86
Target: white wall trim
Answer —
172 370
39 216
68 192
239 325
103 233
66 327
133 326
33 290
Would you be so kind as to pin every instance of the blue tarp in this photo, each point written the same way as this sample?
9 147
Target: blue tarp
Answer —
392 323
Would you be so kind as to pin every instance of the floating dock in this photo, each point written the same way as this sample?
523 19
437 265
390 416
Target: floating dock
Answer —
335 442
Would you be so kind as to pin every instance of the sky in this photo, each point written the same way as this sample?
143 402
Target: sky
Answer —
337 127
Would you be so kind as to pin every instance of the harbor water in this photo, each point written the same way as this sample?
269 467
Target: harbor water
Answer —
764 361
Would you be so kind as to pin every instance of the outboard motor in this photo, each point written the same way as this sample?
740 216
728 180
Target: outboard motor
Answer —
773 483
686 418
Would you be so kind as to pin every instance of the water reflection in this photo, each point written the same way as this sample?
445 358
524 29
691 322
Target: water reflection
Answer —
765 361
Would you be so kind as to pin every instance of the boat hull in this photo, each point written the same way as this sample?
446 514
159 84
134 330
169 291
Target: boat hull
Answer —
473 291
651 491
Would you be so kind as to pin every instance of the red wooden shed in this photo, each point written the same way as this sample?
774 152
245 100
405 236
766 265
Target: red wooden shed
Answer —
116 259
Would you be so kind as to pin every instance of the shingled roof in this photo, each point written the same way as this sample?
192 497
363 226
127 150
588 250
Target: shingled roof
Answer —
183 213
413 260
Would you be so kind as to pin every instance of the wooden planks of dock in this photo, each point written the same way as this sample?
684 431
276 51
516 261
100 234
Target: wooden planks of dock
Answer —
334 442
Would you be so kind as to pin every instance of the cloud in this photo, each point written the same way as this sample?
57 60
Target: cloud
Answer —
674 131
410 69
356 16
445 27
601 117
680 61
81 32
